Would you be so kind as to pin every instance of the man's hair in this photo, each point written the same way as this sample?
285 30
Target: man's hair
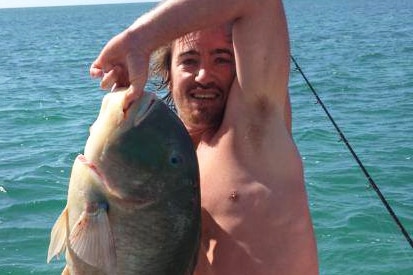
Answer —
161 71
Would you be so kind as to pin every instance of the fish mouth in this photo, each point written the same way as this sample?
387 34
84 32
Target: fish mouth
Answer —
112 191
142 107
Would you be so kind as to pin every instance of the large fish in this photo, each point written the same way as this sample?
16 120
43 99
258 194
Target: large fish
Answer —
133 203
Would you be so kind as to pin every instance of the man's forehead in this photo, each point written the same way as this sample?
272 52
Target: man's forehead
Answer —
218 36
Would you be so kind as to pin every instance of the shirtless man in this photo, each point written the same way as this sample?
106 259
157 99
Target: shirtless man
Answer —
229 83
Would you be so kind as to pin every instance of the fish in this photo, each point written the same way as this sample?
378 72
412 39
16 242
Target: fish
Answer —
133 202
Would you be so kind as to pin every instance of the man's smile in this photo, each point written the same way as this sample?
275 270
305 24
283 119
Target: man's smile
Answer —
204 95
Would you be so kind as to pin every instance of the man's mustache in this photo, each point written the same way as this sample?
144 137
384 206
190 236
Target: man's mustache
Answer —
208 86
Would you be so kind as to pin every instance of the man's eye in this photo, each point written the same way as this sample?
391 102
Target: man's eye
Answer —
189 62
222 60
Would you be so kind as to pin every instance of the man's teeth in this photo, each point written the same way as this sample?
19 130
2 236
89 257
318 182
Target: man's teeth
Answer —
204 96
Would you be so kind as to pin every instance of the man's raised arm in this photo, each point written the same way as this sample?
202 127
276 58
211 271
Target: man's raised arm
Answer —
259 33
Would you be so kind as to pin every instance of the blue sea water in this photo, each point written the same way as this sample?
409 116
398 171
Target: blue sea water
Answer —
358 54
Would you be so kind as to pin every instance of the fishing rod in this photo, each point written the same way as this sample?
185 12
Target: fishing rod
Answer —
353 153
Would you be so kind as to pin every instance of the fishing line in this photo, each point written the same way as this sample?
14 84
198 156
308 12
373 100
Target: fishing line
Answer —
353 153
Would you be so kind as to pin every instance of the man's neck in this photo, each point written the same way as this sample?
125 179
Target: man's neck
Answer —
200 134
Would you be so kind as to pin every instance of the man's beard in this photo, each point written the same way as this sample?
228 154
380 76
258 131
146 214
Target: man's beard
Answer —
207 118
202 117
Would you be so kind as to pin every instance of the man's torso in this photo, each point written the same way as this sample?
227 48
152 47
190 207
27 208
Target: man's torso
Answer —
252 186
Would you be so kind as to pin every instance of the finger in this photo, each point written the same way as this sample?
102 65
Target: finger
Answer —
96 72
117 76
96 69
108 80
132 94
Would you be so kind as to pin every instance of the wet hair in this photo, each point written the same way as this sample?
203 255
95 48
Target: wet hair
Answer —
160 69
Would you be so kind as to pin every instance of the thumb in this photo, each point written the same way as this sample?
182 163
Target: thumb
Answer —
133 93
138 75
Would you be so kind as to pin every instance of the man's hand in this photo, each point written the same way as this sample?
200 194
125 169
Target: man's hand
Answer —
123 64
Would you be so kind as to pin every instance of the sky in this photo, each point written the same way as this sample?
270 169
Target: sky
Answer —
45 3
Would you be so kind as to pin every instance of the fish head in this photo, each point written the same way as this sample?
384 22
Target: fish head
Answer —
144 151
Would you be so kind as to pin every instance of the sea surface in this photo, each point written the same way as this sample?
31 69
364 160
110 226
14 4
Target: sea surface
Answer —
357 54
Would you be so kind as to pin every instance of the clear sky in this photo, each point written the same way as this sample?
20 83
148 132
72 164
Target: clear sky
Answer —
44 3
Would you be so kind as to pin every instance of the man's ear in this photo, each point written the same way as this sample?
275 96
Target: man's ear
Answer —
168 80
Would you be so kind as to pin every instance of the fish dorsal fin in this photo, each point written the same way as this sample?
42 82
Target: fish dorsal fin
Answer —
58 236
92 240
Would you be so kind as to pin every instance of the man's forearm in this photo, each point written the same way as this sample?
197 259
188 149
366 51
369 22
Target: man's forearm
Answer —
174 18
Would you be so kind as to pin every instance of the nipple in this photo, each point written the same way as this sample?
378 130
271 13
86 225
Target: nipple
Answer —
234 196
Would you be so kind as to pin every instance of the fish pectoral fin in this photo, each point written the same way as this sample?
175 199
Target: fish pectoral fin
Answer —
58 236
92 240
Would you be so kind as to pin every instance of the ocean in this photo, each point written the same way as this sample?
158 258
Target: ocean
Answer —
358 55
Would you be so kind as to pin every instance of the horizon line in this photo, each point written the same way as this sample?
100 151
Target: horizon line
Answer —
77 4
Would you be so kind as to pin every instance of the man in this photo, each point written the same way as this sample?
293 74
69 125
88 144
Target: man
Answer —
229 83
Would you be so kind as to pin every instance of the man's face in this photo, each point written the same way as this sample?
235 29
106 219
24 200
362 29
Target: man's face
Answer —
202 71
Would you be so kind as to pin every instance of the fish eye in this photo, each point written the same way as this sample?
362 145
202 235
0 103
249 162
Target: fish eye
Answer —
175 159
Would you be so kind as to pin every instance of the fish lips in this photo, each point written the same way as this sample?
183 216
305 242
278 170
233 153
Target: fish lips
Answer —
141 108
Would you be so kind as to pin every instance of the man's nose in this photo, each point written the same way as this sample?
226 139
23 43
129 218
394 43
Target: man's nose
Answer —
204 75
